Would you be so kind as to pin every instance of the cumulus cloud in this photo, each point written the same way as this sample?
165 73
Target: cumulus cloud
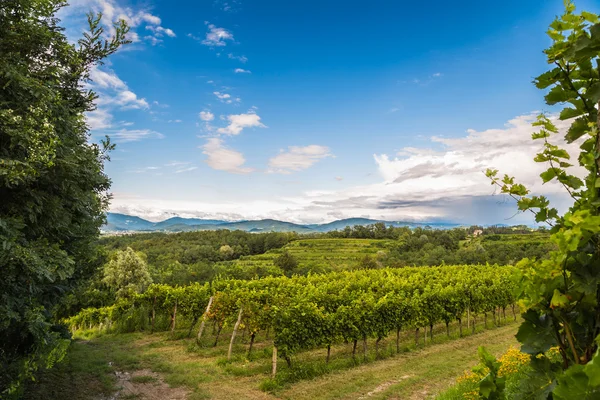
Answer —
224 159
298 158
443 181
216 36
222 96
239 122
113 93
206 116
113 11
241 71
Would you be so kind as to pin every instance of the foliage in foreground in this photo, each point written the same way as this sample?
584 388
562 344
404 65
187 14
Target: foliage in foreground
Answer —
52 184
562 293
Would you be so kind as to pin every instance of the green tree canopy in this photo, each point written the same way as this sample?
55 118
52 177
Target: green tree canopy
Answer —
286 262
127 272
53 189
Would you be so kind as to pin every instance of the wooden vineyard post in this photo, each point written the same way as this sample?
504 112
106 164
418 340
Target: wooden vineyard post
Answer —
274 371
235 328
204 320
468 318
174 318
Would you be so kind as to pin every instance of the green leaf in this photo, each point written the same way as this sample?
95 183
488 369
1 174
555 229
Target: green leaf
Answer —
593 92
548 175
558 299
578 128
569 113
535 333
558 95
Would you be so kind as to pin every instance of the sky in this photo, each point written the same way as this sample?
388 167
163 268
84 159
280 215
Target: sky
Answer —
312 111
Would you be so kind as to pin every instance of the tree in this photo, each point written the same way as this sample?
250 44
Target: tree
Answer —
562 293
127 273
52 184
286 262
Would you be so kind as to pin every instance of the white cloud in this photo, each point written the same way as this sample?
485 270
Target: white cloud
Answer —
133 135
242 59
174 120
222 96
106 79
177 163
159 31
238 122
298 158
216 36
99 119
113 93
112 11
188 169
144 170
206 116
241 71
440 181
127 100
224 159
339 178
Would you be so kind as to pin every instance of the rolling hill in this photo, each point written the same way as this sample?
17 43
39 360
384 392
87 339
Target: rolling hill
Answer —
126 223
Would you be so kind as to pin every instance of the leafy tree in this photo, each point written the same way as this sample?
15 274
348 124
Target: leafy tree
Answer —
52 184
562 293
286 262
127 273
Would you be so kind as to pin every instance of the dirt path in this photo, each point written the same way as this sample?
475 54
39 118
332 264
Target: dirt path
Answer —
415 375
146 385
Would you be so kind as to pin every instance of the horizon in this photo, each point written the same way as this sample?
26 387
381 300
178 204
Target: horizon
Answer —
311 112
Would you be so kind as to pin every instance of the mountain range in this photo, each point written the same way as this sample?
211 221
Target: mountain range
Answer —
127 223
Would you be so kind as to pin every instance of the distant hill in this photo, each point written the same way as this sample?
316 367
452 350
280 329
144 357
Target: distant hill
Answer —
121 223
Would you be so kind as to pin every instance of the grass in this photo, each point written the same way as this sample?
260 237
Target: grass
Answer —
89 370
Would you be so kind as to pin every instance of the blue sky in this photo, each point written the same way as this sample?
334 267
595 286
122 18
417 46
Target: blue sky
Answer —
310 111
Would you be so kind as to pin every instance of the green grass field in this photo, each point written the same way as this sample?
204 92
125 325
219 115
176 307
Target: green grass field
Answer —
178 368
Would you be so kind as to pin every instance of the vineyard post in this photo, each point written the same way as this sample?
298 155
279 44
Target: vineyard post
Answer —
328 352
274 371
204 320
365 347
235 328
417 337
485 320
174 318
397 340
468 317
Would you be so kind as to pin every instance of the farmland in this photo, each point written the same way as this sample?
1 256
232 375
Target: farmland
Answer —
322 254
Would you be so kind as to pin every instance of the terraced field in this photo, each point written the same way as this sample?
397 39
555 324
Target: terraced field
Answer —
336 254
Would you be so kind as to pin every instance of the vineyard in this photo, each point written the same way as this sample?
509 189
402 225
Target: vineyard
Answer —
318 311
318 254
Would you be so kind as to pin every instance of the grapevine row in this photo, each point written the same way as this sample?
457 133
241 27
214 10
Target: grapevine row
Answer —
306 312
